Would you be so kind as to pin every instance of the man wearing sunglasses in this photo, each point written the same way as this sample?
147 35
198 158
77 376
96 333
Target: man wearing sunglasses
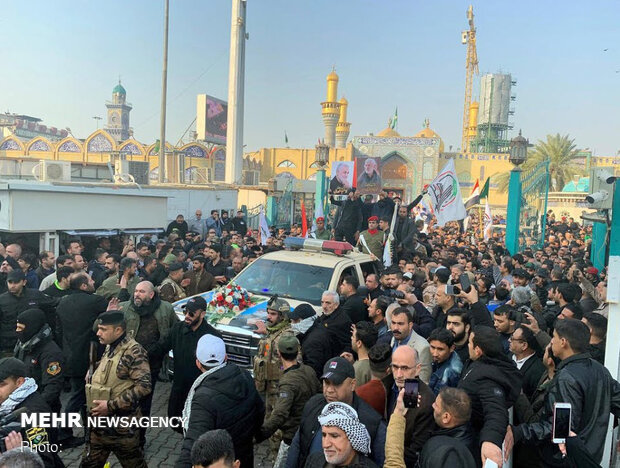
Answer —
183 339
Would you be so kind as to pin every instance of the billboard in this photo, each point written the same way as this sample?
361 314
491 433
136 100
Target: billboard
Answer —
368 172
341 178
211 119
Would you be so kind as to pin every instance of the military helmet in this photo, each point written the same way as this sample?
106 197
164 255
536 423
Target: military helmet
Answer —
279 305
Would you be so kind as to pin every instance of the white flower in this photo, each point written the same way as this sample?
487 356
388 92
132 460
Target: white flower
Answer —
236 309
229 299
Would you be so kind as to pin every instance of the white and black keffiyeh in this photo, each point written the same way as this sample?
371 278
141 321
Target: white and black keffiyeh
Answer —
341 415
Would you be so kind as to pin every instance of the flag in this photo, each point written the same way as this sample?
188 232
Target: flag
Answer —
488 220
285 138
304 221
318 214
264 227
484 193
389 245
445 194
476 187
474 199
394 119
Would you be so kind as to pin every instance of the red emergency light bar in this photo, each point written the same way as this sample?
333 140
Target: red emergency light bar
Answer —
316 245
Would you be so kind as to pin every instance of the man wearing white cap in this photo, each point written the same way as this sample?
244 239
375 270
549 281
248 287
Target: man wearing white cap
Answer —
345 440
222 397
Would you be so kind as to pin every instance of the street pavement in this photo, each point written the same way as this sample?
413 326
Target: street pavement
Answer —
162 445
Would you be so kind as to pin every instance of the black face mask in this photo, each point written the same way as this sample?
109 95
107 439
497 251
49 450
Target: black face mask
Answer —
33 319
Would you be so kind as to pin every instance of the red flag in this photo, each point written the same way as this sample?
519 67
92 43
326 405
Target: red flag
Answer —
304 221
476 186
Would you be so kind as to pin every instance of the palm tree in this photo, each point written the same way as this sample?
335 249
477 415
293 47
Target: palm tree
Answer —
561 152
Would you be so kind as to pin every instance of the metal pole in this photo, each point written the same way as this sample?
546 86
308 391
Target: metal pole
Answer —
612 349
164 86
236 78
514 211
319 192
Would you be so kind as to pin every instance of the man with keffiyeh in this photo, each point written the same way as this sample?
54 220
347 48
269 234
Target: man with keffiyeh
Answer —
20 392
345 440
222 397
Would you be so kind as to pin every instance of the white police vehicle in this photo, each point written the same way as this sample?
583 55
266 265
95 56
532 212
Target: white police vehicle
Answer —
298 274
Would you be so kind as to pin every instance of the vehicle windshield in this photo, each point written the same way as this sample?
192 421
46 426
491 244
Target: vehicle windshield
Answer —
298 281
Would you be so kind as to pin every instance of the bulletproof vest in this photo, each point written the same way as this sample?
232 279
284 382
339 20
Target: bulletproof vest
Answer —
179 292
267 365
105 384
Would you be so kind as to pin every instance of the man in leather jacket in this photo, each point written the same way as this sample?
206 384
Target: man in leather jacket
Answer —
580 381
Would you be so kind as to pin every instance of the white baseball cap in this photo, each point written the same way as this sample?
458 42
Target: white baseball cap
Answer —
211 350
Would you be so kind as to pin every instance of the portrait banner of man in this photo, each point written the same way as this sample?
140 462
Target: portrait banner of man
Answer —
342 177
368 175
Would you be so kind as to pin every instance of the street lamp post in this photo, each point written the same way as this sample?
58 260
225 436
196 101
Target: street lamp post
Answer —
321 160
518 155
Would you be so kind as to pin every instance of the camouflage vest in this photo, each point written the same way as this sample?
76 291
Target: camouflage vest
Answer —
179 292
105 384
267 365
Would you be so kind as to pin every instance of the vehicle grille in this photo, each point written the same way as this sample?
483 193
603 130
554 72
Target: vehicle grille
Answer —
236 340
239 349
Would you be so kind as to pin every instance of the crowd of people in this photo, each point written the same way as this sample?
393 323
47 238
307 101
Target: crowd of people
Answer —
491 340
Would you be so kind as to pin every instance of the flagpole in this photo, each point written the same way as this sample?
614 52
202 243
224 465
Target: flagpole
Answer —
481 220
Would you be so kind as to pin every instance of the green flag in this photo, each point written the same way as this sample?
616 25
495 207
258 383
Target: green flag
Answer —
285 138
156 148
394 120
484 193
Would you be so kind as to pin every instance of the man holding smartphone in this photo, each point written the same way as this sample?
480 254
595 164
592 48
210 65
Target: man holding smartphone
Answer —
584 383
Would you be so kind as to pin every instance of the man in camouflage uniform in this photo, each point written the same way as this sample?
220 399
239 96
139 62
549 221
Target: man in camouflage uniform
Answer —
122 378
371 241
267 365
297 385
171 289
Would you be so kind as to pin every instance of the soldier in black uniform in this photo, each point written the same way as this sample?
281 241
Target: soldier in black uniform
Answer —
18 391
41 355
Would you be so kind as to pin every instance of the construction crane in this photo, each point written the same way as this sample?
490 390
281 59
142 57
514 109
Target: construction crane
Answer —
471 66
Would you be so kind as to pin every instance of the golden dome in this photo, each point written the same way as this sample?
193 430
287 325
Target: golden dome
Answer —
343 100
333 76
428 132
388 132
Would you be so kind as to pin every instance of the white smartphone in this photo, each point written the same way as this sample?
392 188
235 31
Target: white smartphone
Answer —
561 422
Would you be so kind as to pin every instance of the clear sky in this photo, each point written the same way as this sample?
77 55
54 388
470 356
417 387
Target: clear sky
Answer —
61 60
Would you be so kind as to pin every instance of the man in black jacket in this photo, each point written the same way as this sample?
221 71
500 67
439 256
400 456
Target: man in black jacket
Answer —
17 299
351 302
338 385
493 383
348 220
405 231
451 411
222 397
580 381
183 339
329 335
17 391
77 313
523 346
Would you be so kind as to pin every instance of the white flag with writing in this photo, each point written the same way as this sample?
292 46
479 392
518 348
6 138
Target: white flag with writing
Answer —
488 221
445 194
264 227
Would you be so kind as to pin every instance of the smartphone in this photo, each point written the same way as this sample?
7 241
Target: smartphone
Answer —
465 283
452 290
410 398
561 422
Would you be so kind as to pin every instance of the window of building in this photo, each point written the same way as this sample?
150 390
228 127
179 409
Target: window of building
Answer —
287 163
